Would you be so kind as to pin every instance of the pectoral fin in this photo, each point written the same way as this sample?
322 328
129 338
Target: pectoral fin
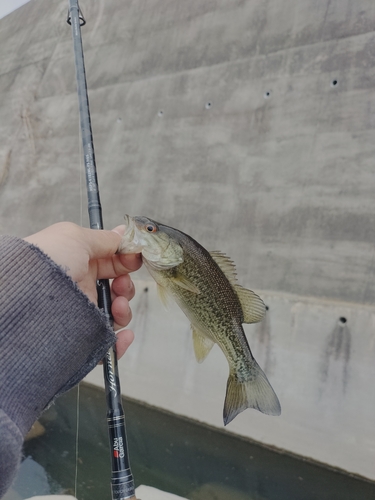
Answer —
184 283
202 344
252 305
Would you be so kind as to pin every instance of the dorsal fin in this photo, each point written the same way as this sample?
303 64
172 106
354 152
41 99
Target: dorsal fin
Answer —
226 265
252 305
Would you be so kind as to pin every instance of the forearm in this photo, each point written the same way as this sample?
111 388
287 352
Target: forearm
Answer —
51 336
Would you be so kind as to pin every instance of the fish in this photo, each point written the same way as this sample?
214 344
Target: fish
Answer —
204 285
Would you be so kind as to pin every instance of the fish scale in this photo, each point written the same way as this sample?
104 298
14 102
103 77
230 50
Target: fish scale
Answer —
205 287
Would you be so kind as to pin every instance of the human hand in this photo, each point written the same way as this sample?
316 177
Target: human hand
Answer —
88 255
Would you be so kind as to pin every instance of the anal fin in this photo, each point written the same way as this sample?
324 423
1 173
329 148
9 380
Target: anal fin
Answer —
202 344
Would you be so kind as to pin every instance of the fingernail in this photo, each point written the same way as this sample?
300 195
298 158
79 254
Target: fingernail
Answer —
120 230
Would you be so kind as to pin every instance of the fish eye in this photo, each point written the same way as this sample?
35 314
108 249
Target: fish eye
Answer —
151 228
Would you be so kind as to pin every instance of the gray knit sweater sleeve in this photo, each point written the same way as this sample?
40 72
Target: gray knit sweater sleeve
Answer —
51 336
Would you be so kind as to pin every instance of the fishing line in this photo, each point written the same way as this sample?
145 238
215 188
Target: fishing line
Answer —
76 444
80 168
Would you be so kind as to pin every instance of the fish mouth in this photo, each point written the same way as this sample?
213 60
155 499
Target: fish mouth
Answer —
131 242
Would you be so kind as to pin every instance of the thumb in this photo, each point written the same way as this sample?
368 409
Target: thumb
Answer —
101 243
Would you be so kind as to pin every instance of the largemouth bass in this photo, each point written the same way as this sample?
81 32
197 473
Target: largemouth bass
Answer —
205 287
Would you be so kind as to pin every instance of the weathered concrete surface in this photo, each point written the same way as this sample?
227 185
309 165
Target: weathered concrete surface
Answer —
321 368
283 184
220 118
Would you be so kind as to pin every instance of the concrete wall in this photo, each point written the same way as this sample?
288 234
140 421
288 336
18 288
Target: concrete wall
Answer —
221 118
320 366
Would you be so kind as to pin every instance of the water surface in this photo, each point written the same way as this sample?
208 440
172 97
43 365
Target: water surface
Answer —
170 453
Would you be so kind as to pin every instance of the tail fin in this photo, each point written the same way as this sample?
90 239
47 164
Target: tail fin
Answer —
255 393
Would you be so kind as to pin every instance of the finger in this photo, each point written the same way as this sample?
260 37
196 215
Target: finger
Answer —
121 312
124 339
101 244
120 230
118 265
122 286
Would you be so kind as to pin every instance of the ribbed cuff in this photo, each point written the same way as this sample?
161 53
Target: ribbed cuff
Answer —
51 335
10 451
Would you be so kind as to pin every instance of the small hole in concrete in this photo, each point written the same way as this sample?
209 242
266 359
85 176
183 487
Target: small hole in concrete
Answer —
267 308
208 105
334 83
145 289
161 113
267 94
342 320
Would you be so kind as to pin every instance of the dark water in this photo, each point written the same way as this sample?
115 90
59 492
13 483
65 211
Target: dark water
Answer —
172 454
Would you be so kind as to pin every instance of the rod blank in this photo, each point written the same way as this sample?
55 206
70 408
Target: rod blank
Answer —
122 482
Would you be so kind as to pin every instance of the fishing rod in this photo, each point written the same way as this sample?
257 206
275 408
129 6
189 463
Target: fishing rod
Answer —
122 482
